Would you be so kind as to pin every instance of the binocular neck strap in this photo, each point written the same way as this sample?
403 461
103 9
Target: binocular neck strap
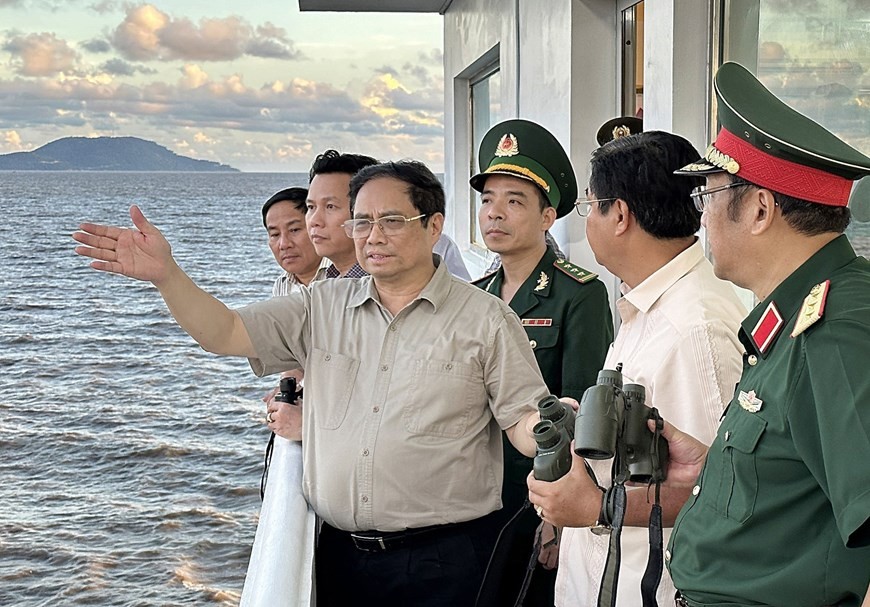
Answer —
654 564
610 579
653 574
266 462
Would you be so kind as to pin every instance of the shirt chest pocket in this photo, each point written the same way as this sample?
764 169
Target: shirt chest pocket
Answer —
542 338
335 375
458 389
738 480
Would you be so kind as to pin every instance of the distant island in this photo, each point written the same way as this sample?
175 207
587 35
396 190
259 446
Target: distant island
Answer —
105 154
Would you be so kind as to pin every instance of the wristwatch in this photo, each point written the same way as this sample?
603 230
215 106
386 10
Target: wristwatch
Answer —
602 525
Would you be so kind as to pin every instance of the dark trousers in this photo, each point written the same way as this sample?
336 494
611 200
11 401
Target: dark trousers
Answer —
509 565
442 568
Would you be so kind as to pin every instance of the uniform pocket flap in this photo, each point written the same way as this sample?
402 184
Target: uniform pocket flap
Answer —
543 337
745 432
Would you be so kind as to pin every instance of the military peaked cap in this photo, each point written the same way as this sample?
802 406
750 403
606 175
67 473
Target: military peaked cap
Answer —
764 141
526 150
619 127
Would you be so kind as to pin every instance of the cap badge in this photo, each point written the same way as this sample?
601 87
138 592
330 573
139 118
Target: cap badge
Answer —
543 281
749 401
621 130
507 146
812 309
767 328
722 160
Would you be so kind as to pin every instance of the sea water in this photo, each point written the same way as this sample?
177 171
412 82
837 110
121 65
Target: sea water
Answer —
130 459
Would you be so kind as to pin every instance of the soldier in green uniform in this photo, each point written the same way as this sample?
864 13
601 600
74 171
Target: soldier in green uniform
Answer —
527 182
780 514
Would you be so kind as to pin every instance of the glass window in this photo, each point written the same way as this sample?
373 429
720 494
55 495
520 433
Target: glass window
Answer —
486 111
815 56
632 60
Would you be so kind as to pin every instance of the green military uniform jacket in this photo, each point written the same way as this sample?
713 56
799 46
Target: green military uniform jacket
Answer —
781 511
566 314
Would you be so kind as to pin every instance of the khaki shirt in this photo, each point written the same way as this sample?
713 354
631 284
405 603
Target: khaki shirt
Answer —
403 429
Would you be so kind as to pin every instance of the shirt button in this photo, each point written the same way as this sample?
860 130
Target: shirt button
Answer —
365 498
668 555
696 489
376 408
727 435
392 327
365 452
327 357
533 343
384 367
449 366
752 360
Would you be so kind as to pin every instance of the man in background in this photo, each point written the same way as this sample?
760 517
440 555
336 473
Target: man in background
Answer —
526 183
329 207
284 220
677 338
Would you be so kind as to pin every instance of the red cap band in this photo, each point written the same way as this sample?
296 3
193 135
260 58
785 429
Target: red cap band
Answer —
784 176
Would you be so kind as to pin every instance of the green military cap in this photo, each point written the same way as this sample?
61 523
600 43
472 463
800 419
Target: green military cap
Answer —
621 126
523 149
764 141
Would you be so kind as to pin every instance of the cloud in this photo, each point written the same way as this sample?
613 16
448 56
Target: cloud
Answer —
12 141
119 67
433 57
40 54
106 6
147 33
299 106
96 45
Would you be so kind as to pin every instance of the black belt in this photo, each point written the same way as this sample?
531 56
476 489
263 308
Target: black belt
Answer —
385 541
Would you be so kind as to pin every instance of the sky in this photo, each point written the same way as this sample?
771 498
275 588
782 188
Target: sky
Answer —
257 85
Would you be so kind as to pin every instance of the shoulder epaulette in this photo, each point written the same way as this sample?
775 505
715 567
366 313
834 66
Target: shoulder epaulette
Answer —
812 309
575 272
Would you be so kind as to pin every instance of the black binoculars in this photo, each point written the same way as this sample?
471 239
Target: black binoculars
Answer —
287 391
613 419
553 436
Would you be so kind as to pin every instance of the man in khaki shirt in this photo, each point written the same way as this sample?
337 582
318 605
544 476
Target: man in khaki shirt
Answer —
413 372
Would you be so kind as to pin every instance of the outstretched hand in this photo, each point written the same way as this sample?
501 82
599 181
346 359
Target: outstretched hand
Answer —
142 253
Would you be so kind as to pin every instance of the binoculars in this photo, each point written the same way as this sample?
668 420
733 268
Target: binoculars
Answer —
553 436
612 420
287 391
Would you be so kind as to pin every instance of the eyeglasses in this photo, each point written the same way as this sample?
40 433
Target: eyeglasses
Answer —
702 196
584 206
389 225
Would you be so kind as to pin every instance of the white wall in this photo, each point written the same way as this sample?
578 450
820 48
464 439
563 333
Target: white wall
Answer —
561 67
472 29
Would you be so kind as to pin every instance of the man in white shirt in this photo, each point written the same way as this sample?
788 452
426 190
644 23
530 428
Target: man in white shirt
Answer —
678 338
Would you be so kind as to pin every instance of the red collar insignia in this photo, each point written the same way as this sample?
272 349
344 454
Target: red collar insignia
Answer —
767 328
